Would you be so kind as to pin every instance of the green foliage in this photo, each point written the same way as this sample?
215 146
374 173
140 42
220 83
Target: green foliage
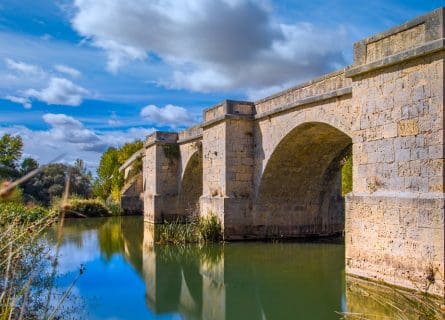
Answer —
49 183
198 230
136 168
109 180
114 208
10 153
346 176
210 228
171 151
81 208
27 165
15 195
13 212
177 233
10 150
128 149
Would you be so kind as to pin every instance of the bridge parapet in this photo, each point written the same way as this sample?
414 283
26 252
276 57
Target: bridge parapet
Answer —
128 165
418 37
318 87
228 109
190 134
161 137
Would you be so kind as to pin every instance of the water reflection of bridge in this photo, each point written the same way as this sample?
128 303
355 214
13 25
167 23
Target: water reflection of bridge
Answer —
236 280
239 280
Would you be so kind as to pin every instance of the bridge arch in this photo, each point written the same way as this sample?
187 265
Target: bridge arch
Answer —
191 185
299 192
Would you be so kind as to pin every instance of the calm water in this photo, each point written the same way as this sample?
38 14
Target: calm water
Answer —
127 277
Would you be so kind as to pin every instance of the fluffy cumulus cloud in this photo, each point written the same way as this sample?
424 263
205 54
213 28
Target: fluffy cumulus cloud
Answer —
210 45
169 115
60 91
67 135
47 86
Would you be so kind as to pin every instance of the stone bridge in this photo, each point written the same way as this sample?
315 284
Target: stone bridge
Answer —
272 168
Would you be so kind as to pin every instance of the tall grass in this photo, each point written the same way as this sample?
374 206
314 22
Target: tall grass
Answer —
195 230
26 286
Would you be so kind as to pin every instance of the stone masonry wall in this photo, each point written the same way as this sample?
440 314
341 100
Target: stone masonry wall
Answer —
394 226
395 214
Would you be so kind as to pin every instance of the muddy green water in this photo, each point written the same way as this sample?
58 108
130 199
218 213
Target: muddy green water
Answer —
128 277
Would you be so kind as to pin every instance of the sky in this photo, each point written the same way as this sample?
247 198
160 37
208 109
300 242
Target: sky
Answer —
79 76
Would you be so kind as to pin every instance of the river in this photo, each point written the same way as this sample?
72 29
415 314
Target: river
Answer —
127 276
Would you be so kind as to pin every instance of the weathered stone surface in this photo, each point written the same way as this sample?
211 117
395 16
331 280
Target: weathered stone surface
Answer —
272 168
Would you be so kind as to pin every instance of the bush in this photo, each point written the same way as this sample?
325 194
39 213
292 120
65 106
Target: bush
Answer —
16 212
83 208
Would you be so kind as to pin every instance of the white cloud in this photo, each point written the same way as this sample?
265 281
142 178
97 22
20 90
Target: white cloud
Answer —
24 68
67 129
60 91
21 100
69 136
68 70
170 115
210 45
119 55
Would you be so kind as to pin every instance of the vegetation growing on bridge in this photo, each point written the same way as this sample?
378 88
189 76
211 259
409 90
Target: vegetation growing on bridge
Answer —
171 151
346 175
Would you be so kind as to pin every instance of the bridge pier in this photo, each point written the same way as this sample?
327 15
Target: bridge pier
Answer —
228 159
271 167
160 167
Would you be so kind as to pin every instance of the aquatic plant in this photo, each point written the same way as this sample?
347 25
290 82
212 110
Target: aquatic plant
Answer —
194 230
210 228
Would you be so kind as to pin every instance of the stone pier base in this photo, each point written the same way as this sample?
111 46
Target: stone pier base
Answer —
397 238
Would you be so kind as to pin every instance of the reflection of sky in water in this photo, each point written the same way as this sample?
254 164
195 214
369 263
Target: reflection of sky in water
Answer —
108 289
113 290
71 256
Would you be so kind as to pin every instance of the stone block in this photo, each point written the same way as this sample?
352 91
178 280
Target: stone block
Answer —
408 128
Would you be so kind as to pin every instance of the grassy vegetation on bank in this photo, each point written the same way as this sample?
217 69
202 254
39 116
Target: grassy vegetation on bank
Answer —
196 230
87 208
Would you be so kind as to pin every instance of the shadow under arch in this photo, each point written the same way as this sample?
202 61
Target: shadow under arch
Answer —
191 185
300 189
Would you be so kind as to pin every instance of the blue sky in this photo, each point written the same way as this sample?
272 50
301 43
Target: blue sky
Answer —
77 76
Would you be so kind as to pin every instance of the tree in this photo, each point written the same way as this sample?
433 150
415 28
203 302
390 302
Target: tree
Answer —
10 153
109 180
10 150
50 183
27 165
